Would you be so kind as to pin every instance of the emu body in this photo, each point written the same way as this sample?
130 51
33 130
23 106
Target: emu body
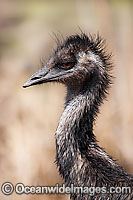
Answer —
82 65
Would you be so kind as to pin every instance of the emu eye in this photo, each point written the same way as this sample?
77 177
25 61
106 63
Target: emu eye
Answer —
65 65
68 65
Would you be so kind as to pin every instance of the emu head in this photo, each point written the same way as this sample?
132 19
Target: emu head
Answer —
79 59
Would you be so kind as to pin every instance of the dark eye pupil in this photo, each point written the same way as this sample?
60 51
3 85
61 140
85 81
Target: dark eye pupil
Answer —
67 65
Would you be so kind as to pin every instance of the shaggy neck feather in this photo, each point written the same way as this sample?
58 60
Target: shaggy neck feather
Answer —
80 160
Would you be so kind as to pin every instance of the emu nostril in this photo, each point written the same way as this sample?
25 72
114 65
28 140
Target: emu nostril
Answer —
35 78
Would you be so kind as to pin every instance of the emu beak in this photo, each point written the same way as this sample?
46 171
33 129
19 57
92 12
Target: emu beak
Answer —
41 76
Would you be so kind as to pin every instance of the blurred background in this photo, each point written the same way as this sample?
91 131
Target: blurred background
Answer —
29 117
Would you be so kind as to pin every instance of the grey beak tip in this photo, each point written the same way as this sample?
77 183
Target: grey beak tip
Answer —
38 77
26 84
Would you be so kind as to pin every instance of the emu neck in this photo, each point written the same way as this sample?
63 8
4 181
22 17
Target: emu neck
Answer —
74 135
80 160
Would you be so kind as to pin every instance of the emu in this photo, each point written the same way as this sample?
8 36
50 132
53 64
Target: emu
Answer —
82 65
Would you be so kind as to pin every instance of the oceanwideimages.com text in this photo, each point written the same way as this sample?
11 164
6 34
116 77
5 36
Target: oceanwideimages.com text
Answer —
8 188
